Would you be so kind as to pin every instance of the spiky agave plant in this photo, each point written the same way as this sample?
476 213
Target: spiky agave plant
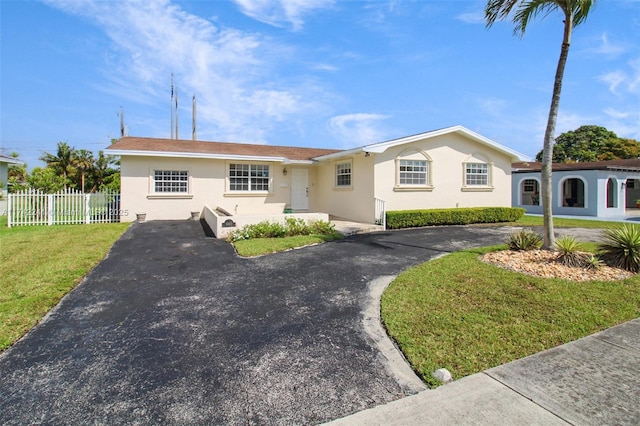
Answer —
569 252
525 239
621 247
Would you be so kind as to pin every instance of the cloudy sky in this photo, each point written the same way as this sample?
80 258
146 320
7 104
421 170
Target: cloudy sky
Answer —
315 73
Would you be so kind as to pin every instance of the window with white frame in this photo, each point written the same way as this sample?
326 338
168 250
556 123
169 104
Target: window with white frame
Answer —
529 186
412 172
477 174
343 174
171 181
248 177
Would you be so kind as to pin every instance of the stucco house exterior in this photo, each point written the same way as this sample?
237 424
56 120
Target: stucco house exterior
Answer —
603 189
445 168
5 161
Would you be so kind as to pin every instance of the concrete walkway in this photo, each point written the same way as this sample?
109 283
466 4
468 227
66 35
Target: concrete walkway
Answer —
592 381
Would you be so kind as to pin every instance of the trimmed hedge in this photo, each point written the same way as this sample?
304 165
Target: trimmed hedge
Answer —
459 216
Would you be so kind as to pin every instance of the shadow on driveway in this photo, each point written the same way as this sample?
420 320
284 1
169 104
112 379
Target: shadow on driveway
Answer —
174 328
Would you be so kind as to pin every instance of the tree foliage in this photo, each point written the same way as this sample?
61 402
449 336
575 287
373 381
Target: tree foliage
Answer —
592 143
68 168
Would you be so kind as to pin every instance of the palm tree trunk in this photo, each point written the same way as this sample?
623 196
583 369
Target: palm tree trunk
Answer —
547 153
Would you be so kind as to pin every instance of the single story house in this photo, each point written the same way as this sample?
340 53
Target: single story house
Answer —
445 168
603 189
5 161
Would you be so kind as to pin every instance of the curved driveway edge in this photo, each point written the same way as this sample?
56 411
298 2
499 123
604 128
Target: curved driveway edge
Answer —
174 328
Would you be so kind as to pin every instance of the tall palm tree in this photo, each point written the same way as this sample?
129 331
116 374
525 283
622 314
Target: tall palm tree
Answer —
575 12
62 161
83 162
102 169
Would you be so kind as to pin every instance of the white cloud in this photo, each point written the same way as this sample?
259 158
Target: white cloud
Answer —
471 17
618 115
230 71
278 13
357 129
627 81
607 47
613 79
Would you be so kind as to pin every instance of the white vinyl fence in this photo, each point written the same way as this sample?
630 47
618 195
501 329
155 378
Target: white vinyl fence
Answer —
31 207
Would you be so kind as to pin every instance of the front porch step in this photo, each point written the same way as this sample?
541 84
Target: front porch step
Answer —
347 227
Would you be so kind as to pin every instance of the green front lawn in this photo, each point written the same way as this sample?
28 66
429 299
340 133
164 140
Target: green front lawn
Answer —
260 246
40 264
558 222
464 315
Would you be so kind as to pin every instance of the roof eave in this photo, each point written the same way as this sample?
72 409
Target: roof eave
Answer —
143 153
380 147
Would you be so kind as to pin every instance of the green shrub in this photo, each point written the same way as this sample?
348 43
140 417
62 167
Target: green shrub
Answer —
322 227
569 253
292 227
295 226
460 216
621 247
525 239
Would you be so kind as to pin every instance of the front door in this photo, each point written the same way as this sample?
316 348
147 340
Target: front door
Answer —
299 189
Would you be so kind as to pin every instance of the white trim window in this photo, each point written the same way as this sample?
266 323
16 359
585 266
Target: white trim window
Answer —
413 172
249 177
171 181
476 174
343 174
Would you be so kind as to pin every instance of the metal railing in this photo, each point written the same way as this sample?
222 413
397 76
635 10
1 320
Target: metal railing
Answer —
380 213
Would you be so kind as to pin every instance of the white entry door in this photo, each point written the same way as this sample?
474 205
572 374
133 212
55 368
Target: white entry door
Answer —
299 189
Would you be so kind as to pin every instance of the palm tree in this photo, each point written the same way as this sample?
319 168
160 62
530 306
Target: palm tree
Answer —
62 162
102 169
83 162
521 11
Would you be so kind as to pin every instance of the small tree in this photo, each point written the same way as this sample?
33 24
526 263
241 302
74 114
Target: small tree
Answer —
46 179
521 12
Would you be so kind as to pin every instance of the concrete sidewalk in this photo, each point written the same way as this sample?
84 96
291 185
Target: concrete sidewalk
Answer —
592 381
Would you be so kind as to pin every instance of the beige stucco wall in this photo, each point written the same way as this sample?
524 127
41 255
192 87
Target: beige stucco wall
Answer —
354 203
207 186
447 153
375 176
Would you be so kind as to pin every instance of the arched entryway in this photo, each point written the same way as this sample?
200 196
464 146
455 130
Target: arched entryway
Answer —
612 193
530 192
572 194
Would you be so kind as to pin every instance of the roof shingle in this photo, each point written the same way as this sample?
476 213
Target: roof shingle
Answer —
130 143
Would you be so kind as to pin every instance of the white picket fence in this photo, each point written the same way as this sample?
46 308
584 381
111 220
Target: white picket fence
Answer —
31 207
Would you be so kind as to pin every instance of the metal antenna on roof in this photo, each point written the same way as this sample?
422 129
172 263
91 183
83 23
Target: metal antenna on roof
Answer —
177 113
171 105
121 122
193 121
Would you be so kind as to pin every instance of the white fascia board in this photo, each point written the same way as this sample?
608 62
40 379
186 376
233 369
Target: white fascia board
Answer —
10 160
341 154
380 147
383 146
126 152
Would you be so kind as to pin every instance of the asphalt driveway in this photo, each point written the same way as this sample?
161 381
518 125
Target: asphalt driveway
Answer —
174 328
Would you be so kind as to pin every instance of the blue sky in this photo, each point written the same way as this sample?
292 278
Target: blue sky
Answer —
316 73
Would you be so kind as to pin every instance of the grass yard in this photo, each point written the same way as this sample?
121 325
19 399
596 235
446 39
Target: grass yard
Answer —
260 246
462 314
40 264
559 222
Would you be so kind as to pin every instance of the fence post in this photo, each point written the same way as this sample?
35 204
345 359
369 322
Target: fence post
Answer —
9 205
87 208
50 209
